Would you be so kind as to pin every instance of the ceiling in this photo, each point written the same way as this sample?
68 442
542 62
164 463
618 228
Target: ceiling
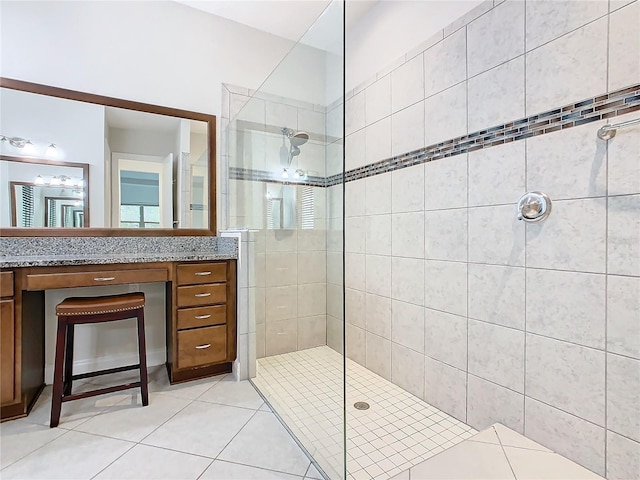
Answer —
285 18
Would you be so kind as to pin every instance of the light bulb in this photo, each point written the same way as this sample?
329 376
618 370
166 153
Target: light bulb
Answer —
55 181
285 174
29 149
52 151
296 174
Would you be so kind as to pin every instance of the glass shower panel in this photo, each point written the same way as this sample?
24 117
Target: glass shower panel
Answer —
285 157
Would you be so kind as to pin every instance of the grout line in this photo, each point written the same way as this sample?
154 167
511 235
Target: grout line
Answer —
505 453
606 257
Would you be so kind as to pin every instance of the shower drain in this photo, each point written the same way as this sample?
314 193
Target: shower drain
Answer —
361 405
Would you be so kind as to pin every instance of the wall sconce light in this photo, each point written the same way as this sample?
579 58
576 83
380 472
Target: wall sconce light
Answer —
285 174
27 146
60 180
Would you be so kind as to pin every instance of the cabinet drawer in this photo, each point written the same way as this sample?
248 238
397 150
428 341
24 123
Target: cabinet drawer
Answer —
6 284
89 279
202 346
197 273
202 295
202 316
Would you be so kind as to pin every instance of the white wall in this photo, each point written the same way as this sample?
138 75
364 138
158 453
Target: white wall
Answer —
76 128
392 28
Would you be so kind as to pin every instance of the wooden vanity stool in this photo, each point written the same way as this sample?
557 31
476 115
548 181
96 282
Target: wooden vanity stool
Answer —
83 310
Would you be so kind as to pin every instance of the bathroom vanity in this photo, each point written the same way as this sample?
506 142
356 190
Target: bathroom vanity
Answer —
200 312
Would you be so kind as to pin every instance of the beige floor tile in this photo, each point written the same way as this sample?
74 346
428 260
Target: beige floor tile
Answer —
221 470
74 455
509 438
466 461
264 443
146 463
235 394
538 465
200 428
129 420
20 438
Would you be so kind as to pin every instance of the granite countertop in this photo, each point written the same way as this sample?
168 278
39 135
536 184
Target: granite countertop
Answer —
16 261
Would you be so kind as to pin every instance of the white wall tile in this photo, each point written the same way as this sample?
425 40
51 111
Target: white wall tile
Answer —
553 68
378 194
355 150
573 228
407 84
503 165
378 141
282 269
378 274
335 334
312 240
311 121
312 299
445 183
497 295
312 267
378 234
469 16
445 115
624 150
445 63
354 113
550 19
445 388
496 95
568 164
573 308
496 353
378 358
281 336
407 280
623 457
489 403
623 315
281 303
579 440
446 235
356 344
445 286
623 396
333 270
378 100
378 315
355 305
623 236
354 201
568 376
407 234
312 331
407 186
624 47
407 325
355 271
355 234
407 369
335 299
446 338
496 37
496 236
407 129
282 241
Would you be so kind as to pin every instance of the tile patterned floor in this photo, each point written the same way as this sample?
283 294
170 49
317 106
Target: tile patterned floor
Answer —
498 453
208 429
396 433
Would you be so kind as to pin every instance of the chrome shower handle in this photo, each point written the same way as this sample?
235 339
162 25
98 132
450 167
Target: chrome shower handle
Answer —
533 207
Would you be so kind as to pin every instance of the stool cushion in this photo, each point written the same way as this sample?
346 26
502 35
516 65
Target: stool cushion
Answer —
99 305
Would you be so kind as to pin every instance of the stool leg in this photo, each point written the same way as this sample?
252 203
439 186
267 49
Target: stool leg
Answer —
142 352
68 360
56 399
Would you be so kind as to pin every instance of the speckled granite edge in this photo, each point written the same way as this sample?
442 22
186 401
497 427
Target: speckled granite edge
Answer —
48 251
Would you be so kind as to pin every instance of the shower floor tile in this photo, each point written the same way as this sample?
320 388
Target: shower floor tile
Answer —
397 432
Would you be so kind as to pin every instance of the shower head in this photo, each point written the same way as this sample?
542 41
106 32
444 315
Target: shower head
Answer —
298 138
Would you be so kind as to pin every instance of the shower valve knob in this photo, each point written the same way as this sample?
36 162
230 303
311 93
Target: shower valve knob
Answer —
533 207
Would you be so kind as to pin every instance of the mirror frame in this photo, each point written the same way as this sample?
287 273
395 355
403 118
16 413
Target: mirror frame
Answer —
130 105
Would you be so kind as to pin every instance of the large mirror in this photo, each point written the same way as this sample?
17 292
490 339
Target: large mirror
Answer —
152 169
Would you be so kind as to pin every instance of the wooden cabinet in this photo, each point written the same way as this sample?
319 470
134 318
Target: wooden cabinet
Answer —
7 340
203 341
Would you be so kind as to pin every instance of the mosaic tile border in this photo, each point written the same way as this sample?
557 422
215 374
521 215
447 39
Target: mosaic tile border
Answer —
601 107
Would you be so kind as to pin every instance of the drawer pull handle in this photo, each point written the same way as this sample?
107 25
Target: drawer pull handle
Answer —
203 346
199 295
202 317
104 279
202 274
